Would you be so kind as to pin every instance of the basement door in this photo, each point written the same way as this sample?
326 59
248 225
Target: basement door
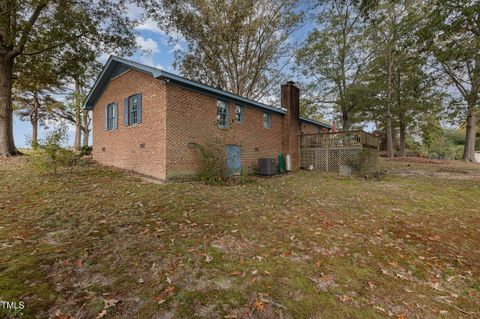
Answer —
234 159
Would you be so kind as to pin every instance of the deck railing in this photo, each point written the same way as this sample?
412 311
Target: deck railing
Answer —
339 139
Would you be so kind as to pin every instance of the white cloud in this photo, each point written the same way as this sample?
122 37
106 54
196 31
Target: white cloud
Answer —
149 44
176 47
134 12
103 58
149 25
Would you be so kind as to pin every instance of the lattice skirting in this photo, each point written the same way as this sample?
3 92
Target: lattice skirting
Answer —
341 160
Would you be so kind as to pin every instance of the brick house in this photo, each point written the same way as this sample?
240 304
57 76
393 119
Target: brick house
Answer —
149 121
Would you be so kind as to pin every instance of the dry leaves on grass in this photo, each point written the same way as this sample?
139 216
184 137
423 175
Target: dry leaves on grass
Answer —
107 303
259 305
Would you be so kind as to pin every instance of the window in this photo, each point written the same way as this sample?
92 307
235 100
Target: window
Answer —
239 113
222 114
267 120
133 110
111 117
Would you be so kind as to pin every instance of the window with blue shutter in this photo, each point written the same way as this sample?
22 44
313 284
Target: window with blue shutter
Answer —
133 110
115 116
106 118
125 112
111 117
139 106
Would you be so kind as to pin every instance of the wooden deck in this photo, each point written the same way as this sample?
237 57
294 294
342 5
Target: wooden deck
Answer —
339 140
346 153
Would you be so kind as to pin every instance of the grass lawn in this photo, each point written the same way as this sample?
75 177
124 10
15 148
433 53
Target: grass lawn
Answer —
102 243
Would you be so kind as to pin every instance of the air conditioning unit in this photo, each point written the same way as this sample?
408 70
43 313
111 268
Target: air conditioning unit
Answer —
267 166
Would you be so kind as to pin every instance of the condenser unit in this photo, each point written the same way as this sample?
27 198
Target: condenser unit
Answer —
267 166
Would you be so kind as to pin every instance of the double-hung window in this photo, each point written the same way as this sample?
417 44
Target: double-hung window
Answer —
239 113
267 120
222 114
133 110
111 117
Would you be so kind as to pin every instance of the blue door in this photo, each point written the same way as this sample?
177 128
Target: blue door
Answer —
234 160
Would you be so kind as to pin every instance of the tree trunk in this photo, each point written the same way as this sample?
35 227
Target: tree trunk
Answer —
388 124
403 136
401 119
78 116
34 122
345 121
7 145
85 128
469 150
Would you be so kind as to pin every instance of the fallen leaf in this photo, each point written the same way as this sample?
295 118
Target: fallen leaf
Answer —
102 314
371 285
259 305
169 290
208 258
79 263
379 308
108 303
345 298
401 276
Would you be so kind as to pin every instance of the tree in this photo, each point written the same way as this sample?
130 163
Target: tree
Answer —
79 64
334 56
33 91
33 27
386 20
452 35
239 45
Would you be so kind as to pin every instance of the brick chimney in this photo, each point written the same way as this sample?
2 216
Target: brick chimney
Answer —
290 101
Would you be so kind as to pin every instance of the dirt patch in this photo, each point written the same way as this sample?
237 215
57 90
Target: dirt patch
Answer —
323 282
230 245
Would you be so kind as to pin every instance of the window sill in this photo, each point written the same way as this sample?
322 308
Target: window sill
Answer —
132 126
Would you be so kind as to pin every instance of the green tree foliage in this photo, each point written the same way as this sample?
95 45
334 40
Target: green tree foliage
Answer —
451 33
33 92
33 27
333 58
238 45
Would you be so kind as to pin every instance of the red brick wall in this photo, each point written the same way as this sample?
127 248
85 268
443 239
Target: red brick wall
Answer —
122 146
307 128
191 118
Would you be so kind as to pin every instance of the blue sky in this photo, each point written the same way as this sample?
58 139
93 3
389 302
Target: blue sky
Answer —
155 51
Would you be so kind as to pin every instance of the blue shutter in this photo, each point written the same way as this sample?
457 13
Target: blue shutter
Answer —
125 112
139 103
115 123
106 117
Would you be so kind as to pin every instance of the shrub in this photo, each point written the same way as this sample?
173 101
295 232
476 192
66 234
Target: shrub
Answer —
50 154
212 170
86 150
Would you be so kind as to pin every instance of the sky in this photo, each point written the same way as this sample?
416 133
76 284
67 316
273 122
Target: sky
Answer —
154 51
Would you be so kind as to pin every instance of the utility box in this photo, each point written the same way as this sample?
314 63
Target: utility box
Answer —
267 166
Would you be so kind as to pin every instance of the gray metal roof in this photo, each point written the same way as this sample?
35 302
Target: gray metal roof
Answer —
117 65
